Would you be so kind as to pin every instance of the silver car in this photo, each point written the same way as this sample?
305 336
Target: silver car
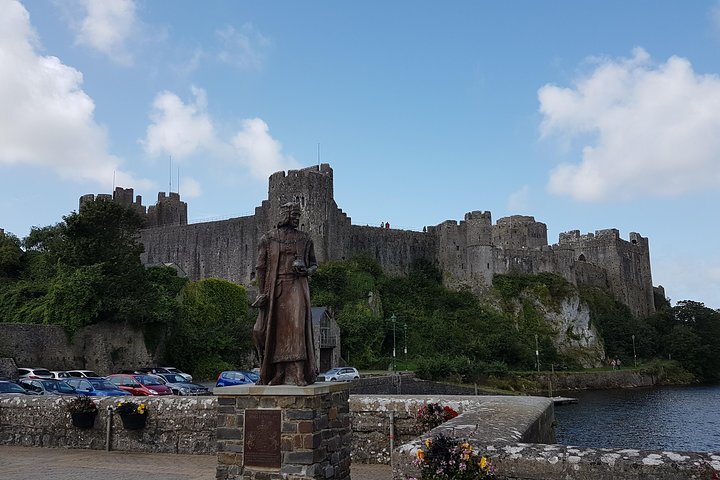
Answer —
341 374
180 386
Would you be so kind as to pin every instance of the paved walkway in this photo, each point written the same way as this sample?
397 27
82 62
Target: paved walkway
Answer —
25 463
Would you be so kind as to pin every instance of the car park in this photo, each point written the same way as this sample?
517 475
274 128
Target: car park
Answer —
82 373
177 371
34 372
140 385
8 388
180 386
234 377
341 374
96 387
47 386
159 370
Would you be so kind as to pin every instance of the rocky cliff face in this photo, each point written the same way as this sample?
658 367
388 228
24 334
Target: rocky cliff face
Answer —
104 347
565 320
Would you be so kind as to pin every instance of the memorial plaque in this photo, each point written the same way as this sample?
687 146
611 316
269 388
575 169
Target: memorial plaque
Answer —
262 438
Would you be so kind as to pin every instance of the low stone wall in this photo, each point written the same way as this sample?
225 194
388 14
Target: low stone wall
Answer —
405 384
174 425
597 380
516 433
560 462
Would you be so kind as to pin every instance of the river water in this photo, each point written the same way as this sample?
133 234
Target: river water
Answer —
666 418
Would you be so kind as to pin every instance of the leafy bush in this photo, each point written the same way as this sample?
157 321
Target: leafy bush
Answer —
431 415
128 407
446 458
81 404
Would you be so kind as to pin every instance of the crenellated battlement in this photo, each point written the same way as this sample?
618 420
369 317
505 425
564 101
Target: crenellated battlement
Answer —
169 209
469 252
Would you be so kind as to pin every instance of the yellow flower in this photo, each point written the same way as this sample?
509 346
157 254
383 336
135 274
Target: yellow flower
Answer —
483 463
428 442
420 454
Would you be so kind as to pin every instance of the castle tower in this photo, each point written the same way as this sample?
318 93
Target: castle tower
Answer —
169 210
312 188
519 231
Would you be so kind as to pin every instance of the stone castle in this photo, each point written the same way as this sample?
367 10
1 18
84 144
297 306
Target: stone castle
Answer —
468 252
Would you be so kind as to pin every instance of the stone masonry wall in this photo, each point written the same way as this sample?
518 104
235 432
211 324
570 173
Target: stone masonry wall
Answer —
469 252
188 425
104 347
314 432
174 425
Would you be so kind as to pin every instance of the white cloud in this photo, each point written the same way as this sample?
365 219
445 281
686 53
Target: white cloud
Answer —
259 151
185 130
715 18
243 49
687 278
190 188
179 129
519 200
646 129
46 118
106 27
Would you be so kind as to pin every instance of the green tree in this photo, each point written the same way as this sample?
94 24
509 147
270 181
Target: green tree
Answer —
10 255
214 327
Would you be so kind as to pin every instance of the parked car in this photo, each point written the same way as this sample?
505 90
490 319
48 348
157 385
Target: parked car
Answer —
8 388
140 385
159 370
96 387
180 386
60 375
47 386
234 377
82 373
177 371
341 374
34 372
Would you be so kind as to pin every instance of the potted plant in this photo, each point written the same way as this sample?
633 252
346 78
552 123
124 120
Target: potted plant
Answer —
447 458
133 415
82 411
431 415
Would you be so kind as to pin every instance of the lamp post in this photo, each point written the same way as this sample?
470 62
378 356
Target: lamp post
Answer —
634 354
405 352
537 353
393 318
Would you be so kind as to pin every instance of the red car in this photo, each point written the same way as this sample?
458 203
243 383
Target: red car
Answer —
140 385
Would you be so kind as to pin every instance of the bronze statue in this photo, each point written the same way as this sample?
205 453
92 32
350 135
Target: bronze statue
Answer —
283 331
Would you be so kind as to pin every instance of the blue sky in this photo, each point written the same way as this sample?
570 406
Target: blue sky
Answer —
587 115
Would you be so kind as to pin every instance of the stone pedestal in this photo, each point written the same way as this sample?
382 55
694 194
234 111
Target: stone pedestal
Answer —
283 432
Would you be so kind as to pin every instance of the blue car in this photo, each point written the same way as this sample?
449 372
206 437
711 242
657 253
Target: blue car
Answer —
96 387
236 377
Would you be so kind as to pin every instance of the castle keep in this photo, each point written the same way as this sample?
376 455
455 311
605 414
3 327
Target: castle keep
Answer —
468 252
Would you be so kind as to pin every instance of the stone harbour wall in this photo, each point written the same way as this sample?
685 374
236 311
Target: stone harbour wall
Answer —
515 432
174 425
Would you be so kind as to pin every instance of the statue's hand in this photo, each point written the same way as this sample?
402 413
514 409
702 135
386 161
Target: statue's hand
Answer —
300 271
260 301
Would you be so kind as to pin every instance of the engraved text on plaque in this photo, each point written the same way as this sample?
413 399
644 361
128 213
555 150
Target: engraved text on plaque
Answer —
262 438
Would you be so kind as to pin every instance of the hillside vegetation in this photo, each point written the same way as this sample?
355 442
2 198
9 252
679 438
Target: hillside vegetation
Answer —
87 270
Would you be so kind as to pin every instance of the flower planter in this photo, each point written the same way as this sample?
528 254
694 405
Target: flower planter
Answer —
134 421
83 419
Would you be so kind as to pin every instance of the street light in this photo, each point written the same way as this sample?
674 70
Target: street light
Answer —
393 318
537 353
405 341
634 354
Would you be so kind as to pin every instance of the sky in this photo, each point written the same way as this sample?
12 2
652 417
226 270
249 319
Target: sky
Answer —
586 115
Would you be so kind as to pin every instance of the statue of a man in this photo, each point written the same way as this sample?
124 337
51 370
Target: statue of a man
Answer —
283 331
